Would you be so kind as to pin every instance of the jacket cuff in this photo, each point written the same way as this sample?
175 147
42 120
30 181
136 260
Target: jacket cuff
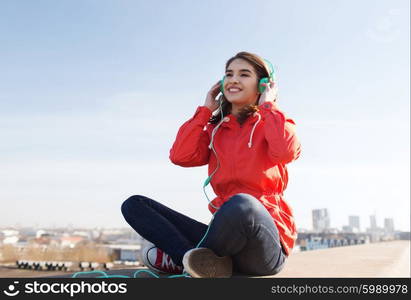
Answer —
202 114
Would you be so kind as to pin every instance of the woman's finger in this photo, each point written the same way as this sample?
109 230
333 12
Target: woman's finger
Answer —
272 83
215 86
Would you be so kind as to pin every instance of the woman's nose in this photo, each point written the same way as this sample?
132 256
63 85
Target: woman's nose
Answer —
233 79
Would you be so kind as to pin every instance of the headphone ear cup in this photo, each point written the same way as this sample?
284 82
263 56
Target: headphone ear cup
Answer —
261 87
222 85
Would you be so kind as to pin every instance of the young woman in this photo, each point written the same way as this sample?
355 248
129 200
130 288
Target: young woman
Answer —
246 143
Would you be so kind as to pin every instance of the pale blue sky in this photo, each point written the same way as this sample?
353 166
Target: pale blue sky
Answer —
92 94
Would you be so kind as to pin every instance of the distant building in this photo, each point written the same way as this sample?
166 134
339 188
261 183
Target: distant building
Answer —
354 223
377 234
373 222
347 229
10 236
321 220
43 233
11 239
389 225
71 241
125 252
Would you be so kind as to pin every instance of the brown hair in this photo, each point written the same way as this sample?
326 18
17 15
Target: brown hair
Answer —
260 69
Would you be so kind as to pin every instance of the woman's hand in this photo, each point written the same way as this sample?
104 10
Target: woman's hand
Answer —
269 94
210 101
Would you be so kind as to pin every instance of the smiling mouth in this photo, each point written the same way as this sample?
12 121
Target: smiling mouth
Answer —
234 90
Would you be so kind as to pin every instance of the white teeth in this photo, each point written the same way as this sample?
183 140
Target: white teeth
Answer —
234 90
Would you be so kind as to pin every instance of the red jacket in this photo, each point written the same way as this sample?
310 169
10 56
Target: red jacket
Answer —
252 157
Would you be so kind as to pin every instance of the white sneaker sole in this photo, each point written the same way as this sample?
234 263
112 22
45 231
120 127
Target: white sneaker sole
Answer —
203 263
145 260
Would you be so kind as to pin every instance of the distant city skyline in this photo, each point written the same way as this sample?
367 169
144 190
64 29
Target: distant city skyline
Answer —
319 216
322 220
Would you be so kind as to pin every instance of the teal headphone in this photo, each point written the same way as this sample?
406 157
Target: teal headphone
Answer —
264 80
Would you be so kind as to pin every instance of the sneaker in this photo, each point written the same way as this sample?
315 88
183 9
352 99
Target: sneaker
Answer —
203 263
159 261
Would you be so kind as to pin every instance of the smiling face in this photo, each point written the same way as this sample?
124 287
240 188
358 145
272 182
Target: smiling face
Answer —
240 84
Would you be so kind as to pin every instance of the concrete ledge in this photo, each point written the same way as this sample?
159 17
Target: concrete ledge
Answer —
385 259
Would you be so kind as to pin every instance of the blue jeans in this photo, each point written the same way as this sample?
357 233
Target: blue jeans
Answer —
242 228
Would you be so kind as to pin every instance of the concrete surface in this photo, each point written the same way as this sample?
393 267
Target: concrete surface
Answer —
385 259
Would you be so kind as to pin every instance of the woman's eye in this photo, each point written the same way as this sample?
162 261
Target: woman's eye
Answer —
242 75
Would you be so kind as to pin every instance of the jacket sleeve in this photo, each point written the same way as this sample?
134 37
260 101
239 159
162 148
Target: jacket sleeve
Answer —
190 148
279 131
